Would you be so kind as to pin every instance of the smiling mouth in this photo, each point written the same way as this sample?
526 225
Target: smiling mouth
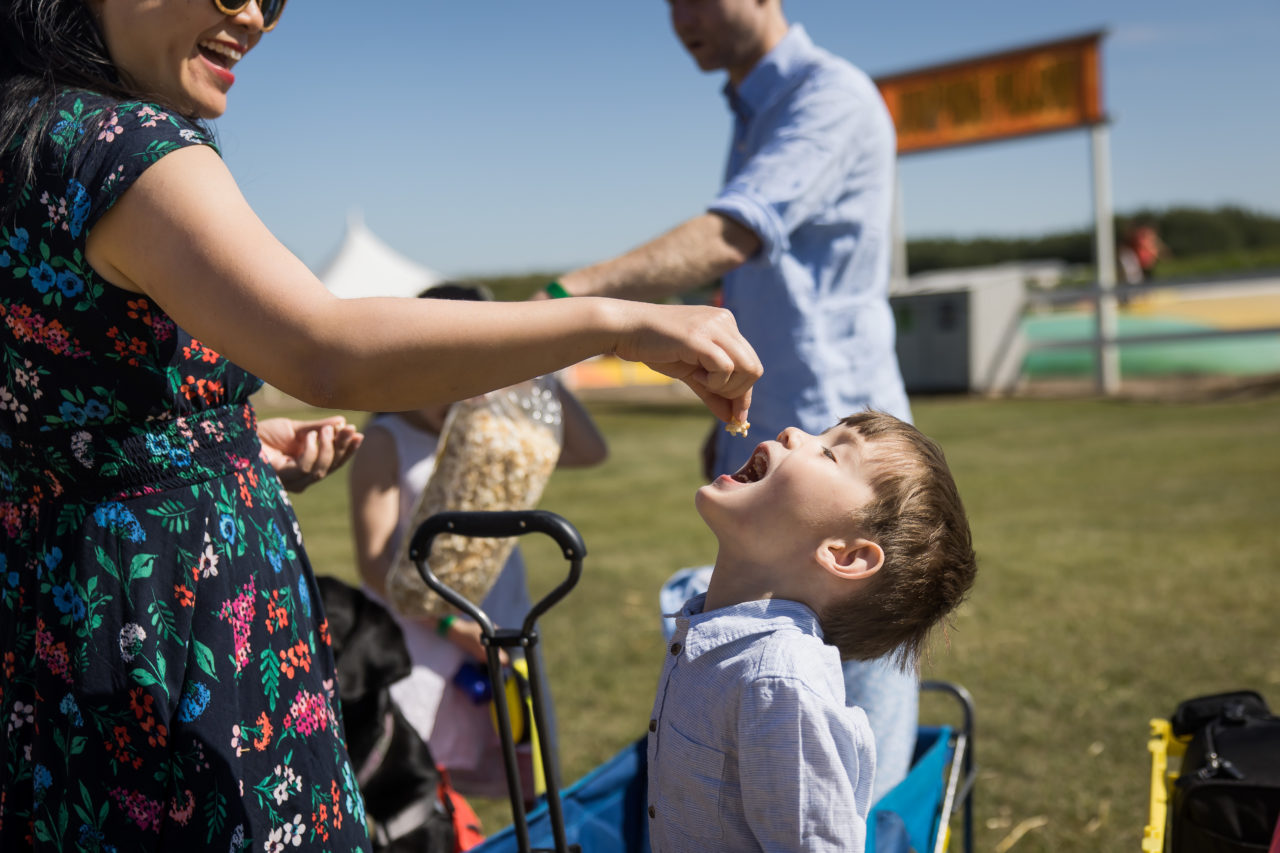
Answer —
220 54
755 469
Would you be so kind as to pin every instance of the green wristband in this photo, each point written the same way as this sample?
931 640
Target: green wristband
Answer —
442 627
556 290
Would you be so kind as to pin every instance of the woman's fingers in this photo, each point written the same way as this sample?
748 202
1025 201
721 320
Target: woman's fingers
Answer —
703 348
310 454
305 452
320 451
733 366
345 444
724 407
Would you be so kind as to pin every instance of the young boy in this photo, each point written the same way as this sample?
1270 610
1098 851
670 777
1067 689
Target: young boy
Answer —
849 544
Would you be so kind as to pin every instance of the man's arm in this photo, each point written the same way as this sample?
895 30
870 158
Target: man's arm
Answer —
695 252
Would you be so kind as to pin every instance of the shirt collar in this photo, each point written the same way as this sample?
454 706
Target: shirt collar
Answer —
701 632
770 73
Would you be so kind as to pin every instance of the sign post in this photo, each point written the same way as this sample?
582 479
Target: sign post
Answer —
1042 88
1106 352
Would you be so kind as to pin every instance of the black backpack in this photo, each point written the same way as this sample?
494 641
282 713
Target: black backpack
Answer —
1227 795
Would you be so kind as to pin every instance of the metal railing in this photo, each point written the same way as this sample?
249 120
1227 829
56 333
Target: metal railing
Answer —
1094 293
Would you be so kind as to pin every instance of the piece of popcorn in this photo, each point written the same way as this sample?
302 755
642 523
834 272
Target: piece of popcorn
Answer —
736 427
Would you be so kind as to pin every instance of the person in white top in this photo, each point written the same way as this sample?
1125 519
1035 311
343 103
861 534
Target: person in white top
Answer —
388 475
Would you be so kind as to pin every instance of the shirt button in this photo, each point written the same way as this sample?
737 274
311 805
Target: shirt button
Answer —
653 812
653 725
675 648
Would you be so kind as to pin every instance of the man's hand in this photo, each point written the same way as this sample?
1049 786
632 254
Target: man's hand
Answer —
304 452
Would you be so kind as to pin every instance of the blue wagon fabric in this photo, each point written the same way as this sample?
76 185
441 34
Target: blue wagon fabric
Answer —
604 811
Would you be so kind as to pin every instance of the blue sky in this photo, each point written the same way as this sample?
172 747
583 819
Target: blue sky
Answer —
506 136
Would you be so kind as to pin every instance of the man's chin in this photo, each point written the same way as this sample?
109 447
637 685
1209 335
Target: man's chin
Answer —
705 61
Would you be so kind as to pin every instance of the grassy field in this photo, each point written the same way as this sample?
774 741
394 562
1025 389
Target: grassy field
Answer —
1127 559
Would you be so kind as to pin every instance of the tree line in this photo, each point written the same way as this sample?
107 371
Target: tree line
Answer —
1197 239
1188 232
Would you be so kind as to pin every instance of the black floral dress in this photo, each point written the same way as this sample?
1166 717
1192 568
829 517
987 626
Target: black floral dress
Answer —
166 681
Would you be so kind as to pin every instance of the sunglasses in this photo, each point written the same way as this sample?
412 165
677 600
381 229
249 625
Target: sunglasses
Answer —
271 10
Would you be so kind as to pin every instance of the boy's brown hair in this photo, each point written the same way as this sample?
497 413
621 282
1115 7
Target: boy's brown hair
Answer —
917 518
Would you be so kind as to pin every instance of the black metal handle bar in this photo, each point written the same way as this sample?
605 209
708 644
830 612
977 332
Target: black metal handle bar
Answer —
497 525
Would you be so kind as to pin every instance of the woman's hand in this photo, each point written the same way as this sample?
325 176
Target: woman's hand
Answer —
699 345
304 452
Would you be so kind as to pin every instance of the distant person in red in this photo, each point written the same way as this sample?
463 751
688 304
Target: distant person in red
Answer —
1141 250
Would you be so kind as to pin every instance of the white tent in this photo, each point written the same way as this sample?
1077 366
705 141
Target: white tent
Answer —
365 266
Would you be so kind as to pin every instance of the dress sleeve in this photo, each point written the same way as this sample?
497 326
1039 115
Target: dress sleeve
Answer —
124 138
805 766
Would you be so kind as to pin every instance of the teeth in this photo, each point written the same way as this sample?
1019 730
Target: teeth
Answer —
224 49
754 470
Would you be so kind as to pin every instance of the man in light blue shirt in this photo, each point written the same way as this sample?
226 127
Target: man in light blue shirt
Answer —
800 238
810 172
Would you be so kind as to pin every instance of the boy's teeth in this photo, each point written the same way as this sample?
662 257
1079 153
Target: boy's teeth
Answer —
753 471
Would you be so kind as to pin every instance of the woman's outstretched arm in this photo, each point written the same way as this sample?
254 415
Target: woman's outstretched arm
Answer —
185 236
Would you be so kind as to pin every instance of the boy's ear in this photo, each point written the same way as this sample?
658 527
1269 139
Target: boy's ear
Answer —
850 559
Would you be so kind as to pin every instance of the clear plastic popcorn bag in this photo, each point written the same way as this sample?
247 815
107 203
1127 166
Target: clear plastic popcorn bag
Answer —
496 452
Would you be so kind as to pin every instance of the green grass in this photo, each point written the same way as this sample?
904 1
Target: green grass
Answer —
1127 560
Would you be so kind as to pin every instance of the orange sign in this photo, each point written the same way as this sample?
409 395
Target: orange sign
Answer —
1036 89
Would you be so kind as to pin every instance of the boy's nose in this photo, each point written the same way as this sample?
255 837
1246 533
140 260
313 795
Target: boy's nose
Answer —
790 436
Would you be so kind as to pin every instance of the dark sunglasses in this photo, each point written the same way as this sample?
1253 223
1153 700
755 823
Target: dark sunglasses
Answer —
271 10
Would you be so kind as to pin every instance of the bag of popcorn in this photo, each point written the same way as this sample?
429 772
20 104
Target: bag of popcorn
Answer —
496 453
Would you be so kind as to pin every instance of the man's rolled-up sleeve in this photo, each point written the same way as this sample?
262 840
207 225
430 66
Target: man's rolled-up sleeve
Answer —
794 176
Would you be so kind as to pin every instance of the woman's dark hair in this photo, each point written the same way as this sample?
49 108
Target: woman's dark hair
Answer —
45 46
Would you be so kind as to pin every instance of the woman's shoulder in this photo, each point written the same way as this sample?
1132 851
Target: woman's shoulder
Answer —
81 116
95 146
91 135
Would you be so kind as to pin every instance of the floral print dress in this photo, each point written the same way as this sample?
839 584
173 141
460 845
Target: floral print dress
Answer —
166 681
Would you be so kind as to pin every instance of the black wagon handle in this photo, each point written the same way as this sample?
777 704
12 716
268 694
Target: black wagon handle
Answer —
497 525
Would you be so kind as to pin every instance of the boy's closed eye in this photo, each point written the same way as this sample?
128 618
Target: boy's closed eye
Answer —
826 451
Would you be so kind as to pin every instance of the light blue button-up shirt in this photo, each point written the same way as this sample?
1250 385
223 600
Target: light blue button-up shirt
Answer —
811 172
751 746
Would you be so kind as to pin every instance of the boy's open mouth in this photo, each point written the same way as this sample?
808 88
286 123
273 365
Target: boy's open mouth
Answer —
755 469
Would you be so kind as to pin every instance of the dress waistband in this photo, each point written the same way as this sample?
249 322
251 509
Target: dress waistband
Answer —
124 460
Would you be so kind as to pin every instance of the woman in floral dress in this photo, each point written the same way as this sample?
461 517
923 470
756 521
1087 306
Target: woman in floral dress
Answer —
165 680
